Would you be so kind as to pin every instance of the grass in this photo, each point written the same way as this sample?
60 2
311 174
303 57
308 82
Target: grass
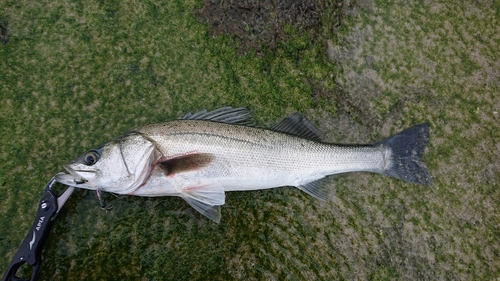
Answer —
439 68
75 74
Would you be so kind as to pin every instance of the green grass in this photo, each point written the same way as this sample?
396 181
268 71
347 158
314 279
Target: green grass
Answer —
76 74
437 61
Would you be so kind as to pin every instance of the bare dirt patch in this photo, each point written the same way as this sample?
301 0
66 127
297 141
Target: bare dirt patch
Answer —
257 23
3 31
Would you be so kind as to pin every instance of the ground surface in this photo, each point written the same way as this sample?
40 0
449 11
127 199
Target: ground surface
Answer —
74 74
256 25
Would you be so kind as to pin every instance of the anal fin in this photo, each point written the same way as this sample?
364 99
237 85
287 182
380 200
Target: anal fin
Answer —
319 189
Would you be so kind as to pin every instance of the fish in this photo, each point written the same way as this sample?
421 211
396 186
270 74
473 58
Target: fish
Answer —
201 156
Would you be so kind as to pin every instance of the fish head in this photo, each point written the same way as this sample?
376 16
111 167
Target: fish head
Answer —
119 166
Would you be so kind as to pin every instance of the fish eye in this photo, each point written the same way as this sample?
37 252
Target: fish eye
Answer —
91 157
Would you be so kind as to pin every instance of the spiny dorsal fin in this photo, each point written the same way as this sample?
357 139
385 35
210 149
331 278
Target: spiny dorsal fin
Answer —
227 114
298 125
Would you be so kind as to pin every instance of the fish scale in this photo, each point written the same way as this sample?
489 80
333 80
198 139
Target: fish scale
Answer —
264 149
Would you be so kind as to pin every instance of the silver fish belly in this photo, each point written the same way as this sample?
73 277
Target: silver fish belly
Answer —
207 153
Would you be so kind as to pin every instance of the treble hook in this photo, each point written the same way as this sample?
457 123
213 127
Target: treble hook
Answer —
101 201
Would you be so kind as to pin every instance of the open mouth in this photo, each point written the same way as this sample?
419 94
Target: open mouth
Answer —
73 178
66 179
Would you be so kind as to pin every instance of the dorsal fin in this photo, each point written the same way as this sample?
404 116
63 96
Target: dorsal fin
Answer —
227 114
298 125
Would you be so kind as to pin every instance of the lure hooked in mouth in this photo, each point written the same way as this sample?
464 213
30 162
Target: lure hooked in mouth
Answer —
69 179
80 181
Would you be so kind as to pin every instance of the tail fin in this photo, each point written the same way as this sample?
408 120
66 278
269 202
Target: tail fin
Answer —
406 149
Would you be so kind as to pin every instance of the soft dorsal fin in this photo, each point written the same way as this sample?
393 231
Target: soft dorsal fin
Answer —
227 114
298 125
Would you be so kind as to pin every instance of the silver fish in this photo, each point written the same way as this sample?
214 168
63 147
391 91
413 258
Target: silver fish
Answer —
202 155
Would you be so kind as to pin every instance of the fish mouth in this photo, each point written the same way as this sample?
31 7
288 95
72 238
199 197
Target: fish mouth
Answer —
66 179
73 179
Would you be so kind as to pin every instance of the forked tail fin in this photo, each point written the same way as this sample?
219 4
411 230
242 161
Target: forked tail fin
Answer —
406 149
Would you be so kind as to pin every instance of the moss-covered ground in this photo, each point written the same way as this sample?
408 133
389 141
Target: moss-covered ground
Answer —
74 74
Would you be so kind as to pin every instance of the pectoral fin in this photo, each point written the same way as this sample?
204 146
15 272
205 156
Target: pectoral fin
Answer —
185 163
206 200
